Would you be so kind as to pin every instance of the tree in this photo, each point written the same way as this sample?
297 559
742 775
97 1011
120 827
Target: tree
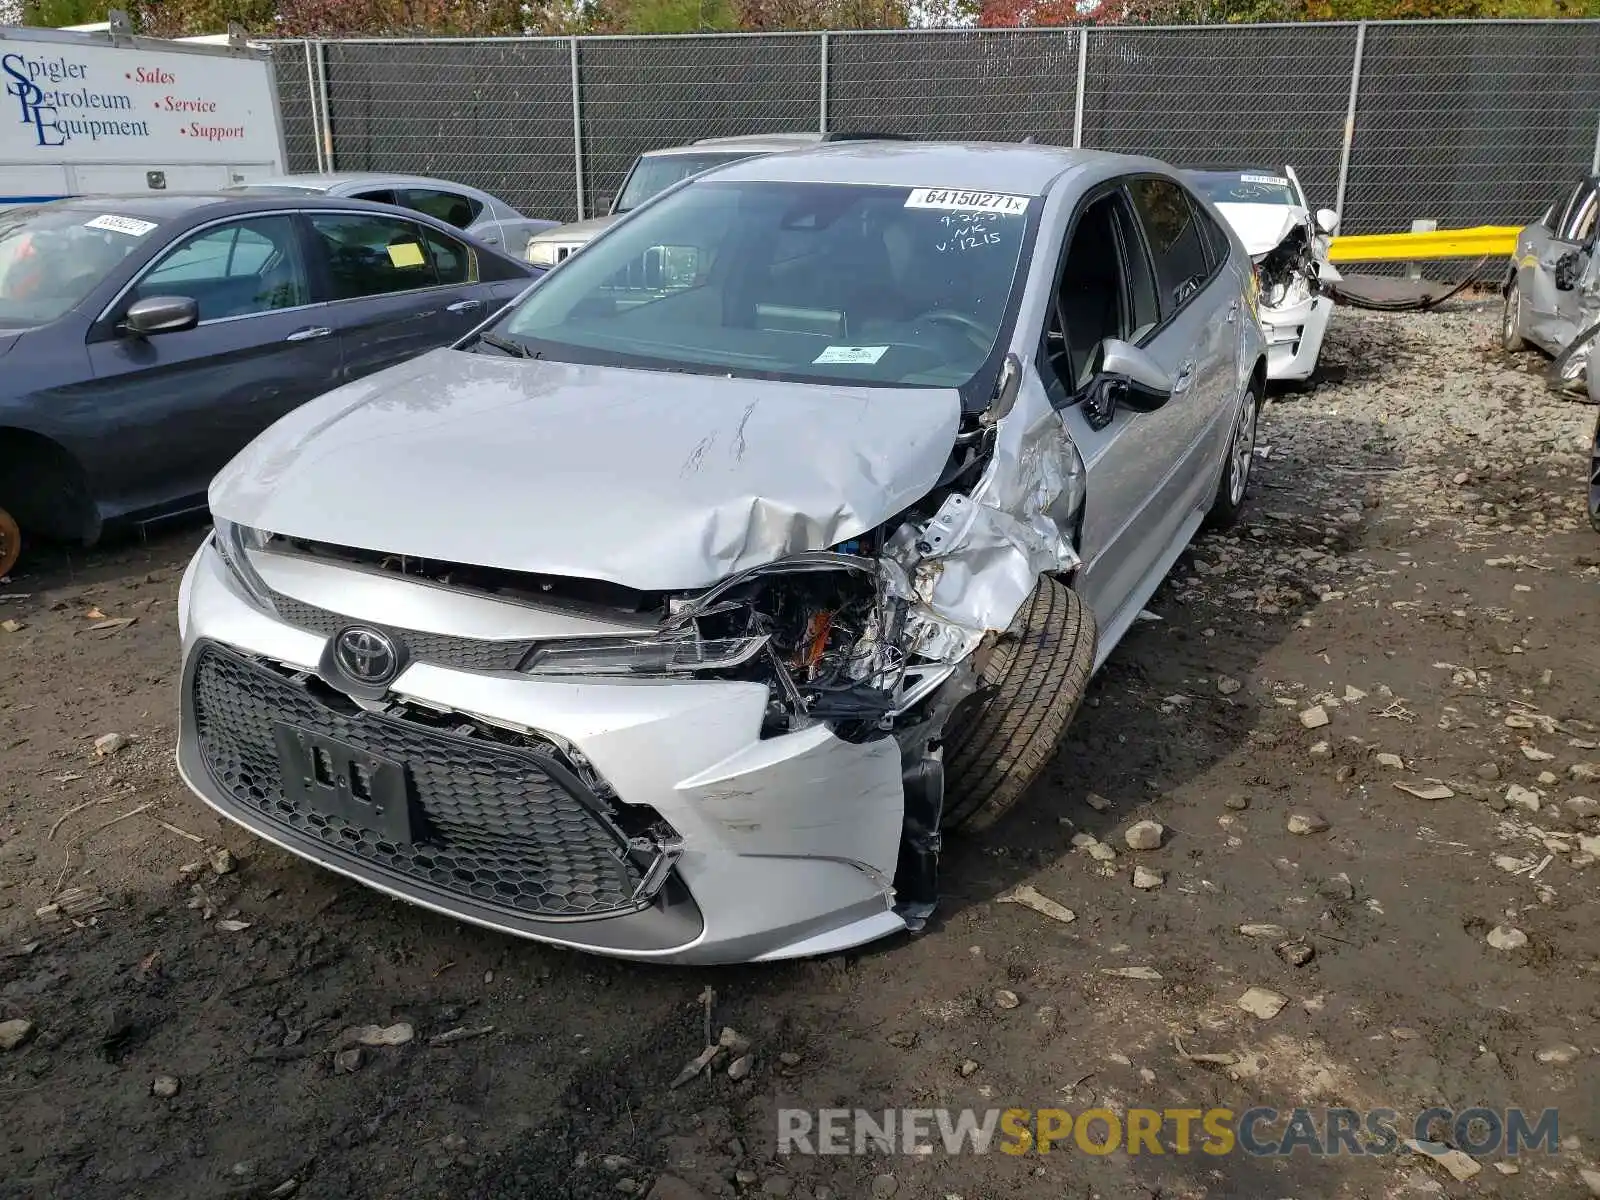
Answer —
52 14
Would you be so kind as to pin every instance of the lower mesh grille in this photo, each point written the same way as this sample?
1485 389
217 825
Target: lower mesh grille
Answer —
505 827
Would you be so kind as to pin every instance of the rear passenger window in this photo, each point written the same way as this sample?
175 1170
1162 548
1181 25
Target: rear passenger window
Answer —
1213 235
450 207
369 254
1176 243
453 261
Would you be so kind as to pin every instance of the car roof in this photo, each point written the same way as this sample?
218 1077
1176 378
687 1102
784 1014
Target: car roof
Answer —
1018 168
754 143
168 206
323 181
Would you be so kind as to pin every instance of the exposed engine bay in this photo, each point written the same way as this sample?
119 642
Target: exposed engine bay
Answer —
1289 274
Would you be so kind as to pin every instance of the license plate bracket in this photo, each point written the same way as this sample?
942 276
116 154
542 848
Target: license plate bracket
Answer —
337 779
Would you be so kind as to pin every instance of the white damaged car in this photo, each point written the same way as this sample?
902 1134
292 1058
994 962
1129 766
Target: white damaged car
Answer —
1289 246
676 611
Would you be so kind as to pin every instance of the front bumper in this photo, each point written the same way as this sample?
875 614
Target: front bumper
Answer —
1294 337
685 837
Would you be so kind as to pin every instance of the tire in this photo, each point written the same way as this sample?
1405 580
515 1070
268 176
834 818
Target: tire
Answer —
1234 487
1035 676
1511 339
1594 479
10 543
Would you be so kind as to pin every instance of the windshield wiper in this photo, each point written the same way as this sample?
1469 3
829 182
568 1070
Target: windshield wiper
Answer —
515 349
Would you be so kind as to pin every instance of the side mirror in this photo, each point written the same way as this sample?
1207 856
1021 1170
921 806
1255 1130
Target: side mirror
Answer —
161 314
1327 222
1147 386
604 201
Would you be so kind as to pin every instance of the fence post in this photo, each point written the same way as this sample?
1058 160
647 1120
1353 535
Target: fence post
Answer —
822 115
311 99
577 131
1083 71
1595 168
1350 119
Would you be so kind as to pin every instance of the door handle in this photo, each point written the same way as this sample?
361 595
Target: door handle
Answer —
309 334
1184 378
464 306
1233 312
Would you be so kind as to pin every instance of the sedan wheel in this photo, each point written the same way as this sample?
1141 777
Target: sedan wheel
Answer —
10 543
1511 339
1235 486
1594 479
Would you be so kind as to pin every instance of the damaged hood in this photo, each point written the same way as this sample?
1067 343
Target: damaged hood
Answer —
651 480
1262 226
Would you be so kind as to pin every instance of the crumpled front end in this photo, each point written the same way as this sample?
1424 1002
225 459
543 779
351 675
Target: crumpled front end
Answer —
746 771
1294 311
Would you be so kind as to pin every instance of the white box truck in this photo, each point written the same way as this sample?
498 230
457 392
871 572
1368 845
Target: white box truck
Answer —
109 112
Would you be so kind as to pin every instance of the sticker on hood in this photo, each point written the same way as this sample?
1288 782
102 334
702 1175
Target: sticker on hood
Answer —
130 226
1276 180
958 201
851 354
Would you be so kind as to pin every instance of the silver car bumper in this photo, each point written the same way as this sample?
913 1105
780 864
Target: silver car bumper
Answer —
1294 337
640 819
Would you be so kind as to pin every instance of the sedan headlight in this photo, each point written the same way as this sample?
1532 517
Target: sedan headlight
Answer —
642 656
232 541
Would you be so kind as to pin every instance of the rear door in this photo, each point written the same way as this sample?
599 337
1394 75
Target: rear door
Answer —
191 400
398 287
1542 248
1195 342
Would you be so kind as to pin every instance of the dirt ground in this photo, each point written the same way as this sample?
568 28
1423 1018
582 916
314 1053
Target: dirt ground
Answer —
1417 565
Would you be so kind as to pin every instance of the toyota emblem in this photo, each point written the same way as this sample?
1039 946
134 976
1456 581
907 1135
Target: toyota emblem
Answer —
366 655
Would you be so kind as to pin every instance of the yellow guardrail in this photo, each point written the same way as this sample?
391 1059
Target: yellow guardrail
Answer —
1484 240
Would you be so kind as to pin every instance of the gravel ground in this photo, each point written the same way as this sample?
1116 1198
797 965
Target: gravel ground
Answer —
1410 604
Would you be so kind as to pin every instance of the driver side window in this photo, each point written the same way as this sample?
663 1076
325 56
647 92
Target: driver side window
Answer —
1105 290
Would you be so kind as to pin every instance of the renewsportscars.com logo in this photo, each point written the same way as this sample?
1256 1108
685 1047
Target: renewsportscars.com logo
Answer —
1259 1132
46 107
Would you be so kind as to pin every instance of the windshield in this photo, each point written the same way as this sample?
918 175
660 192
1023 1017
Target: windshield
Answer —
1245 187
819 282
654 174
51 258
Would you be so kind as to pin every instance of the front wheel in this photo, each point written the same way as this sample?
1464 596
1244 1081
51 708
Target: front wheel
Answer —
1594 478
1235 485
10 543
1511 339
1035 678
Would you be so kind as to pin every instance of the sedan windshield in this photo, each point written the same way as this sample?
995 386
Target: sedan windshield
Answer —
51 258
655 173
1245 187
886 286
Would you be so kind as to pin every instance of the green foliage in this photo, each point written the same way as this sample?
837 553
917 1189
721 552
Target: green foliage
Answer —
56 13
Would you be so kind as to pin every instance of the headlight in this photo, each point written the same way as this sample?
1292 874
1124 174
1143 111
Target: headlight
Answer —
545 254
642 656
232 541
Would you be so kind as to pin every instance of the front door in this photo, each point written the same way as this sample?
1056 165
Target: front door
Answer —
189 401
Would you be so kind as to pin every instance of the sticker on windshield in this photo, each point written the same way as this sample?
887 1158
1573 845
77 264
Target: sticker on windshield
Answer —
405 254
1278 180
131 226
851 354
958 201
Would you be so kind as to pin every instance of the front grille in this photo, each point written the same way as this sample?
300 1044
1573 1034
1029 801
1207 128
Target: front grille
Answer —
440 649
510 828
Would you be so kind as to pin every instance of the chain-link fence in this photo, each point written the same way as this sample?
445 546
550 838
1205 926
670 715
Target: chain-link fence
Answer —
1462 122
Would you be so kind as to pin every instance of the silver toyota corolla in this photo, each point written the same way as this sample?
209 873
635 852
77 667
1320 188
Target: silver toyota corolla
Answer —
673 614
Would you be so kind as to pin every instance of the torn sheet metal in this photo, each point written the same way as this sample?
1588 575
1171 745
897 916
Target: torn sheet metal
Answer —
980 557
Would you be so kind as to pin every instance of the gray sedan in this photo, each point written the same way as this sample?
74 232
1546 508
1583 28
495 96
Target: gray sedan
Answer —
674 613
1552 293
490 220
145 339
